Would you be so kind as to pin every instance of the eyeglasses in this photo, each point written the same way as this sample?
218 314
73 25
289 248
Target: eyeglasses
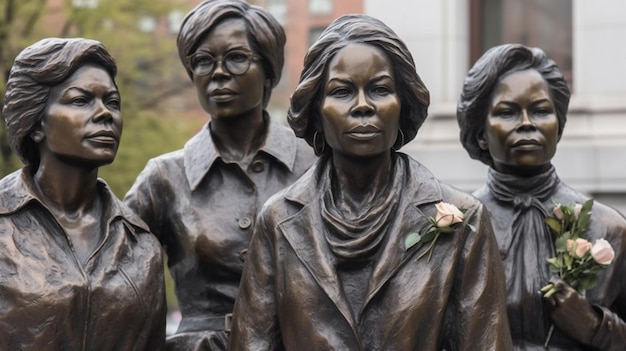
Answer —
236 62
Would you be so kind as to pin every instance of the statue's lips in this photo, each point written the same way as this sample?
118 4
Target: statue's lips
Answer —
527 144
363 132
222 94
104 137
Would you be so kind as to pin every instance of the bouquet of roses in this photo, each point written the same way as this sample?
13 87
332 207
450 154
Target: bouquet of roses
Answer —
446 220
577 261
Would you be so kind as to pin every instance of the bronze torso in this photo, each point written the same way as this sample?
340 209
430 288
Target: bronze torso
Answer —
294 295
529 323
203 211
49 301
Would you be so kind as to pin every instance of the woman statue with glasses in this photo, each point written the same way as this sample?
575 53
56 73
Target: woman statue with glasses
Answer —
201 202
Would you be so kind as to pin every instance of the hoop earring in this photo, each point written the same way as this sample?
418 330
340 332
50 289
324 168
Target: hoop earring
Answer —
397 146
318 152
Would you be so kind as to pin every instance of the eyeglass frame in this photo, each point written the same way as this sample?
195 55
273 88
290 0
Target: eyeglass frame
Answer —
221 59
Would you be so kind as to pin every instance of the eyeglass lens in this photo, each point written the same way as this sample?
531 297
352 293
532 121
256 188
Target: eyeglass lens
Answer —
235 62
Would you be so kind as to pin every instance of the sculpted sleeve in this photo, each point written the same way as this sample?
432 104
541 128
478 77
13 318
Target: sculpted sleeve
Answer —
611 334
255 325
144 200
479 301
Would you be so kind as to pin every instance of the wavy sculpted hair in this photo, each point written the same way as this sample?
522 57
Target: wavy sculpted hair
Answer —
478 87
304 114
265 34
35 71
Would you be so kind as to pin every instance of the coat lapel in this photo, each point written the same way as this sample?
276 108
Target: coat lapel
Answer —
311 248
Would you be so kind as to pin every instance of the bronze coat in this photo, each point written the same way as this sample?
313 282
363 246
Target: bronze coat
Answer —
291 297
49 301
609 296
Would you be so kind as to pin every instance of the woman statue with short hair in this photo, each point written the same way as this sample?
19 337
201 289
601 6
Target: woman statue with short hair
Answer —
202 201
512 112
334 262
78 269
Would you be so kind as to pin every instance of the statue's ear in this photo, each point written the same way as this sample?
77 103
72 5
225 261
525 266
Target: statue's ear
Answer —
482 141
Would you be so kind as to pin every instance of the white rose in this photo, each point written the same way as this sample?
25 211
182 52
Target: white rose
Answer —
447 215
577 209
602 252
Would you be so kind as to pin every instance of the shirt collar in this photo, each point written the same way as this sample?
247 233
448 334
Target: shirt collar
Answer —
17 190
200 152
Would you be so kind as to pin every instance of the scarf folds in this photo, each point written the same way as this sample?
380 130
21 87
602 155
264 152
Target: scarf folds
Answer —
358 239
526 246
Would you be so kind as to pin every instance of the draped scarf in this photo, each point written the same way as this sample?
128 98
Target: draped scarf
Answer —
526 246
359 238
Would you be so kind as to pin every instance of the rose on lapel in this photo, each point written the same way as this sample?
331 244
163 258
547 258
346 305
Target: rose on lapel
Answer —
447 215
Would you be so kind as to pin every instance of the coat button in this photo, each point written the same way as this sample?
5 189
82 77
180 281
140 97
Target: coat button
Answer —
258 166
242 254
245 223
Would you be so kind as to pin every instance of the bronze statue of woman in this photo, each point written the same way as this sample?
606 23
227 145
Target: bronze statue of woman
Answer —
512 112
202 201
328 267
78 269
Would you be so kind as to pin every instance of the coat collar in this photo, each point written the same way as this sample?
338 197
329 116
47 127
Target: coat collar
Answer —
312 249
200 152
17 190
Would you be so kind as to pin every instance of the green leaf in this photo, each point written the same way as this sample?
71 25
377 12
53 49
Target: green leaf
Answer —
554 224
430 235
411 240
561 243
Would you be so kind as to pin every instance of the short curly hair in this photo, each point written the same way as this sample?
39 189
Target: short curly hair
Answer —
35 71
484 76
265 34
304 115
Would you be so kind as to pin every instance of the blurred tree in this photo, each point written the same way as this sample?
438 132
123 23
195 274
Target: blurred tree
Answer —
141 35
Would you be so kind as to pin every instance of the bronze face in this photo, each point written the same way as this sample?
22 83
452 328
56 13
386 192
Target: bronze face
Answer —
226 92
521 128
83 122
361 108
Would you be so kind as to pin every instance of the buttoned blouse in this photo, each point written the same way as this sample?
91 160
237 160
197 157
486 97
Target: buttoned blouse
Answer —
50 301
203 209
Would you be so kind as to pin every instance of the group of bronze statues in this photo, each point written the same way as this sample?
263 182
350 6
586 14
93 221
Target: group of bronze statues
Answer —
274 244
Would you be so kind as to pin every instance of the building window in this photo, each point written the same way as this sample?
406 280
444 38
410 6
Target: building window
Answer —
314 33
320 7
278 8
546 24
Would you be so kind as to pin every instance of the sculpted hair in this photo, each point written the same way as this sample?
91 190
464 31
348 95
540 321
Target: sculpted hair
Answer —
304 111
265 34
35 71
491 67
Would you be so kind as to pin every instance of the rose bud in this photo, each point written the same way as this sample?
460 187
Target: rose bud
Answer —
577 209
447 215
558 213
582 246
